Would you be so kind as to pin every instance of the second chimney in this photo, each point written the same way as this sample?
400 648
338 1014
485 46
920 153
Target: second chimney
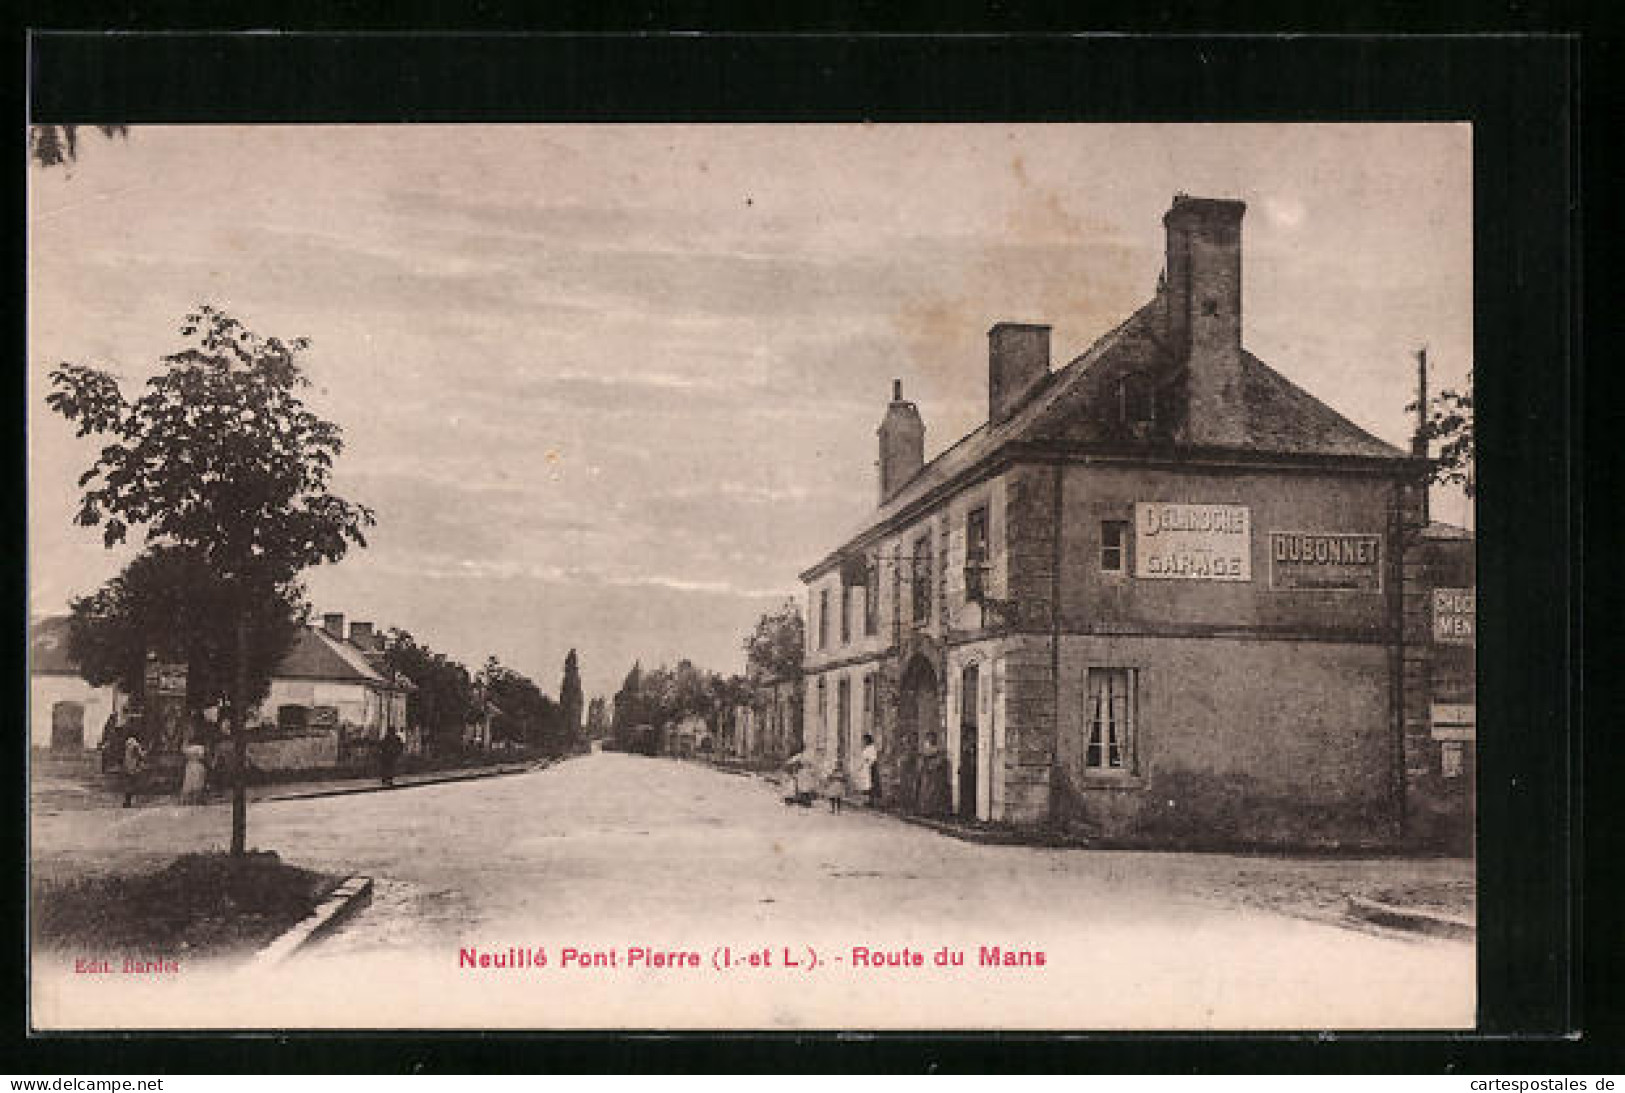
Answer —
361 635
902 443
1204 314
334 624
1017 358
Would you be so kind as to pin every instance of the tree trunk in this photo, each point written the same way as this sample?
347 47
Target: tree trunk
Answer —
239 741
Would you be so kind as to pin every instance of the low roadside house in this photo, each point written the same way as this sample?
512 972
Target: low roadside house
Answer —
332 698
66 713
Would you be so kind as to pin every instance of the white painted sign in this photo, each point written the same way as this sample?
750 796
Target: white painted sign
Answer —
1184 542
1455 721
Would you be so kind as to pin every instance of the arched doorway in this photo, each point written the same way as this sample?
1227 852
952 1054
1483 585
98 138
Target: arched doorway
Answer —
68 726
969 730
919 711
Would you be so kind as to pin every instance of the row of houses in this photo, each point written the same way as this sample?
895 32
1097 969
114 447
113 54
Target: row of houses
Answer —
331 692
1160 595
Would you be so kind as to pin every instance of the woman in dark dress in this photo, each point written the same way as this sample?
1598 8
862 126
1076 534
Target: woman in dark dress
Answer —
934 796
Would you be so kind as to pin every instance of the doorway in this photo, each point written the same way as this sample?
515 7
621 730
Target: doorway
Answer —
919 711
969 773
68 726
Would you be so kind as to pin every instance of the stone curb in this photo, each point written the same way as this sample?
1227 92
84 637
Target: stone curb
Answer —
429 780
344 901
1431 923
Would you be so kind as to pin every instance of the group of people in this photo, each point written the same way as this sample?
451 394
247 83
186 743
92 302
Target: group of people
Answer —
922 788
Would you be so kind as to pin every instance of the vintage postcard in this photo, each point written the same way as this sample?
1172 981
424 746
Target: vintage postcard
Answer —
779 576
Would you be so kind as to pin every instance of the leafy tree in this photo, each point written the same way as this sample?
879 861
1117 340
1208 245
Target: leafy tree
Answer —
528 716
570 697
56 145
168 603
1450 425
629 705
221 457
445 700
598 720
774 650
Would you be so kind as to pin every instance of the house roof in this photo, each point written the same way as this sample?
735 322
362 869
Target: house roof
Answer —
1438 529
48 646
316 654
1072 404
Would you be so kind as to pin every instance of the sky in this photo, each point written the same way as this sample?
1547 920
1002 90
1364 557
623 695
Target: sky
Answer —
611 387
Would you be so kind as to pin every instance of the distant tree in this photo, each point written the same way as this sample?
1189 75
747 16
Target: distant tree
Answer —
570 699
528 716
1450 426
220 457
629 705
56 145
445 700
776 647
598 719
168 603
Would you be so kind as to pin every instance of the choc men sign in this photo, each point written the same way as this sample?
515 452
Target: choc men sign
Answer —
1182 542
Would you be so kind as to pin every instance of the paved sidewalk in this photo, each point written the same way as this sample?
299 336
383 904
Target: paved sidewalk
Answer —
50 795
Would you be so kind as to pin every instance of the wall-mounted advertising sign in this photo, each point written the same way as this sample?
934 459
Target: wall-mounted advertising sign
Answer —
1312 561
166 679
1182 542
1454 614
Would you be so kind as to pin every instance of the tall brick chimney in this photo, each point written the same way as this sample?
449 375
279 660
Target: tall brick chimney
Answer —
1017 358
902 443
1203 299
361 635
334 624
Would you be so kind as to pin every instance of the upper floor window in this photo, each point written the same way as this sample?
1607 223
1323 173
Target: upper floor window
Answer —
1136 401
1113 546
922 580
823 618
846 613
871 598
976 564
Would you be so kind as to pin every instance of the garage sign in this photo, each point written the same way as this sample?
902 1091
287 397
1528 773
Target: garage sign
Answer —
1184 542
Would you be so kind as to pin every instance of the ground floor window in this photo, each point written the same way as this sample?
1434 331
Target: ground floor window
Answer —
1111 716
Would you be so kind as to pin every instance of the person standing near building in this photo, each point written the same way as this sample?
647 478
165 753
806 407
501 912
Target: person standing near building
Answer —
799 767
868 780
389 754
933 793
135 758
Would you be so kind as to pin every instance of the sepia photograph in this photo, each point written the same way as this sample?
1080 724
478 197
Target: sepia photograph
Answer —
880 576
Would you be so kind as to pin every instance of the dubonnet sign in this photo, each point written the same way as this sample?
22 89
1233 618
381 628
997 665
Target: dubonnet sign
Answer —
1182 542
1325 562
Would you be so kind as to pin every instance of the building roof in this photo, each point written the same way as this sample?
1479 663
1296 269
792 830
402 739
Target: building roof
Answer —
48 646
316 654
1073 406
1438 529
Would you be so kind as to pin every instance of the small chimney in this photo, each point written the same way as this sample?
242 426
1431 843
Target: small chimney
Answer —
1203 302
902 444
361 635
334 624
1017 359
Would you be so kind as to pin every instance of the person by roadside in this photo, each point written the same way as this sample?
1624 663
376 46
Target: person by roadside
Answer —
868 779
389 755
835 787
135 760
799 767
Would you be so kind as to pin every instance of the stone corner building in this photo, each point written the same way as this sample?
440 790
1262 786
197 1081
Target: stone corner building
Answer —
1156 597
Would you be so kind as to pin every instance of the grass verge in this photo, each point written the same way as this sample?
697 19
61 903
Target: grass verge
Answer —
197 905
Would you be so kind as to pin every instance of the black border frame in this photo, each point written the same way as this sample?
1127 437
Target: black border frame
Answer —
1521 92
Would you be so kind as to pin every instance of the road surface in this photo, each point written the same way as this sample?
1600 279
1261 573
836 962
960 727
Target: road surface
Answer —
613 856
